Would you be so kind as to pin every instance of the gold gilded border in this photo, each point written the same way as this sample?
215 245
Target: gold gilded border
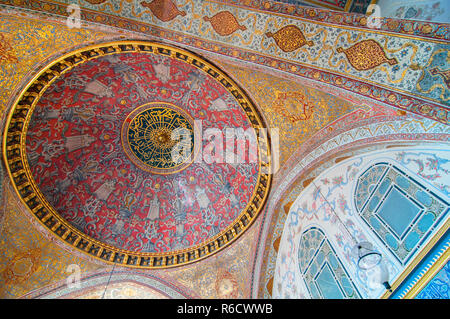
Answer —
424 279
16 162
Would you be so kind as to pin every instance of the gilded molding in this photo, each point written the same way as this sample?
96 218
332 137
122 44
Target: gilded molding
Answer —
427 272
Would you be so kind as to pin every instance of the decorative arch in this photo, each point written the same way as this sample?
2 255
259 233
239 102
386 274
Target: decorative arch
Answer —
119 284
331 192
321 153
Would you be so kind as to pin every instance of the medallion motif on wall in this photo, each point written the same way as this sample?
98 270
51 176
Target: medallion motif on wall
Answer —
294 106
289 38
164 10
159 137
7 53
225 23
366 55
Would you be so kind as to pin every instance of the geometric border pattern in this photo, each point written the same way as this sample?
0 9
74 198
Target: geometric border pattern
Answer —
20 174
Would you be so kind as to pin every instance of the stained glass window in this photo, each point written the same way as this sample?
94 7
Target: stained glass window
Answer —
323 272
399 208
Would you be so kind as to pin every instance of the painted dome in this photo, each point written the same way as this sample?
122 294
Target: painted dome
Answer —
123 156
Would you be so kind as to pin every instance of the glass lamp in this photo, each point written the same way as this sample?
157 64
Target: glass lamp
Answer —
367 256
372 264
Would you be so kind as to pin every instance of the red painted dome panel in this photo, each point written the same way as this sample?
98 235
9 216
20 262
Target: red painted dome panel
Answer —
77 158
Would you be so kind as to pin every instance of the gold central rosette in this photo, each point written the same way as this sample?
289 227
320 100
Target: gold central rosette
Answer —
162 138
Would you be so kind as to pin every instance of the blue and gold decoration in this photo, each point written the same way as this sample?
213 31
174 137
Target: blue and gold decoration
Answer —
159 137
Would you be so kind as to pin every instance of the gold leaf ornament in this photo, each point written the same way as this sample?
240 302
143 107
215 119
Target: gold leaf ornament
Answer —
164 10
22 266
226 285
289 38
224 23
366 55
294 106
7 53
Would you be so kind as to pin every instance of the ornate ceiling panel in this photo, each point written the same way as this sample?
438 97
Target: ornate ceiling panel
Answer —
401 63
405 71
86 145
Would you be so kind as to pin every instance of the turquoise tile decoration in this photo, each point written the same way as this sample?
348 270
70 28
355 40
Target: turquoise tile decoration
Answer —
320 257
333 261
347 285
374 203
424 198
402 182
401 210
323 272
438 287
391 241
375 223
425 222
314 292
313 268
384 185
411 240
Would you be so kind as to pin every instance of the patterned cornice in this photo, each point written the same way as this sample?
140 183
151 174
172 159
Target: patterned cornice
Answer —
428 30
415 31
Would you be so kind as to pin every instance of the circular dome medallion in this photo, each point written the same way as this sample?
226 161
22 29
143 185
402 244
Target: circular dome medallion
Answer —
159 138
87 143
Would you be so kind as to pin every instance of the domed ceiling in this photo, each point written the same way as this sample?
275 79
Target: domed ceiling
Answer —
117 149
